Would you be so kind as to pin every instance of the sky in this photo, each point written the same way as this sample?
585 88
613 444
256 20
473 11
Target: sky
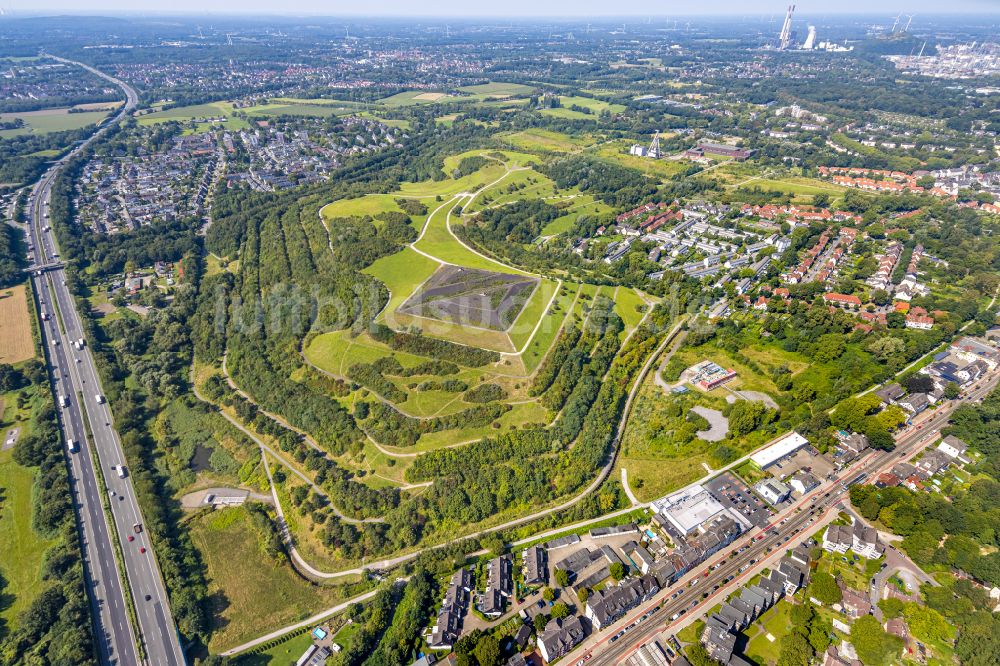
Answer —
507 8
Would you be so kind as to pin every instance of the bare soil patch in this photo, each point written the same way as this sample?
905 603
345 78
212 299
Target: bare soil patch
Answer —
471 297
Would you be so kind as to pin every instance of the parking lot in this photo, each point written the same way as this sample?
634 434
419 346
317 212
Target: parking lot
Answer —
734 495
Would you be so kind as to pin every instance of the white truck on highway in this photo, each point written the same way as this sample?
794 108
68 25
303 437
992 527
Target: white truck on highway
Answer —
120 470
63 401
99 398
73 448
45 315
79 345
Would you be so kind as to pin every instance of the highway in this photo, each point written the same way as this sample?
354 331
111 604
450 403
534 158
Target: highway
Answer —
82 407
684 600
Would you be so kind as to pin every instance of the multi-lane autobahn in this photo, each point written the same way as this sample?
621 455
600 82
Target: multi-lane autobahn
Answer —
98 469
720 575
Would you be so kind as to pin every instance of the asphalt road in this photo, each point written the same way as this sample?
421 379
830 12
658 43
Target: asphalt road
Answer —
792 526
75 383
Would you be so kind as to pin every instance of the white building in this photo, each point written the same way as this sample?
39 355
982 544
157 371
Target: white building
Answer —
955 448
773 491
785 446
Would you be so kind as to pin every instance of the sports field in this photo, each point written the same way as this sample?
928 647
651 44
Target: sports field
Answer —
16 343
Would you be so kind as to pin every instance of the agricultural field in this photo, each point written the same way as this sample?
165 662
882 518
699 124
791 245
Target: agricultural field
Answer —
51 120
414 97
16 341
198 111
496 90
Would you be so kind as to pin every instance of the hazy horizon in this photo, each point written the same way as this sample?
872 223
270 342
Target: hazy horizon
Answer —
513 8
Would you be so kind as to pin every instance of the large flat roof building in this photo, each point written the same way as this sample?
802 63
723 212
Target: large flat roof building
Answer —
787 445
688 508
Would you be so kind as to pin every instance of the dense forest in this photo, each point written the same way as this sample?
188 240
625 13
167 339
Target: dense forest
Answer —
12 256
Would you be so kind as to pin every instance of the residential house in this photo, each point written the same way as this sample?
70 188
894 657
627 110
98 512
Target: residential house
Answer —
642 559
448 626
536 566
854 603
499 586
559 637
606 606
719 643
838 538
865 541
933 462
844 301
954 448
890 394
802 482
915 403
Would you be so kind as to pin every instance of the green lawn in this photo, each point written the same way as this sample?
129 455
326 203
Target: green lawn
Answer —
439 242
630 306
371 205
516 418
22 550
283 654
582 204
553 320
775 622
402 273
801 188
536 308
596 107
335 352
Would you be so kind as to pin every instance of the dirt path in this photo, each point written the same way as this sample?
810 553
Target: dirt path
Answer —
256 440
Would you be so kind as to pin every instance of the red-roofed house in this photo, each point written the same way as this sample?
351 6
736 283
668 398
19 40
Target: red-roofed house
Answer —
845 301
919 321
